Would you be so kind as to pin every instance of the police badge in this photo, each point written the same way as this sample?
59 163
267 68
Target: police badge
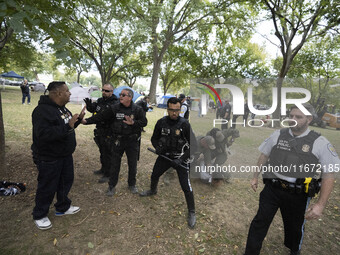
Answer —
305 148
177 132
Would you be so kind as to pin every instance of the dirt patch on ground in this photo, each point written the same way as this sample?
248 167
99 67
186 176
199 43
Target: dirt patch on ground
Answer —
128 224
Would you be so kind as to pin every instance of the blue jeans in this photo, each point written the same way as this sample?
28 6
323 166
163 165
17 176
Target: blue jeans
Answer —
24 95
55 177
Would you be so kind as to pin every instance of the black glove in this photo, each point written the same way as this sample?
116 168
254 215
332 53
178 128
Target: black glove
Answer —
159 150
176 162
88 102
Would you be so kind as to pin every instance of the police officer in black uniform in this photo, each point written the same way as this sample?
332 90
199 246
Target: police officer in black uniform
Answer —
171 137
225 114
102 133
127 121
295 153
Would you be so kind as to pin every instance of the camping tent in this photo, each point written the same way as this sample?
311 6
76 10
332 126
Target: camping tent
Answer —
136 95
75 84
39 87
78 94
12 74
93 88
163 101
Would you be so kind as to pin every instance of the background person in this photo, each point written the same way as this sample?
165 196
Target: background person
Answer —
25 89
54 142
144 104
174 138
102 132
225 113
300 147
184 107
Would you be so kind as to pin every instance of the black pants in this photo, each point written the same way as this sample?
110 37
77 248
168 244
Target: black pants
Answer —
292 207
225 125
55 177
160 167
104 146
129 145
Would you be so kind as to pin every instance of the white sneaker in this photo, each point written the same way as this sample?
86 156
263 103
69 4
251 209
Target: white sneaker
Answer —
43 223
71 210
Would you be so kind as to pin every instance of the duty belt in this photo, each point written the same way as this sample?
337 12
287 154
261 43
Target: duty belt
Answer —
290 187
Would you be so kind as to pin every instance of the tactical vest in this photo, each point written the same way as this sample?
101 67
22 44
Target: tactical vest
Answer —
186 114
295 153
103 105
172 138
121 128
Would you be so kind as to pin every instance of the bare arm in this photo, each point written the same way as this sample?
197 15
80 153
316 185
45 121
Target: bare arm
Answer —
261 161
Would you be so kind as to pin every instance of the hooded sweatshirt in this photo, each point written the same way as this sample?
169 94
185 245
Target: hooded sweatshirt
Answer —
53 138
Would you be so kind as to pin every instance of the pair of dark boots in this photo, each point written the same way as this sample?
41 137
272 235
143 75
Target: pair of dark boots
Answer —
112 190
190 202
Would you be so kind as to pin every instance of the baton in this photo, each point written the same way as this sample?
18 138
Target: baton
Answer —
167 158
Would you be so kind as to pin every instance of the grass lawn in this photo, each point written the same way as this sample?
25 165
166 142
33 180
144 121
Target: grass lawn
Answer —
128 224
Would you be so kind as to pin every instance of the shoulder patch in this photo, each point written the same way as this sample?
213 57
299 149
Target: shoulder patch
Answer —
332 150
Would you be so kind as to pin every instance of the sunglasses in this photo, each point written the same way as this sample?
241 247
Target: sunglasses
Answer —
174 110
105 90
123 95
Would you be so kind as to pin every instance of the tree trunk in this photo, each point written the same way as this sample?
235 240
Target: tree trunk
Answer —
2 140
78 77
277 112
154 80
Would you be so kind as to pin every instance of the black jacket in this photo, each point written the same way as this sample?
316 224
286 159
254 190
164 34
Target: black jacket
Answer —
100 106
116 114
53 138
25 88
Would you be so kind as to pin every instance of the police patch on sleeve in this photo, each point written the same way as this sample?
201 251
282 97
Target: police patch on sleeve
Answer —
332 150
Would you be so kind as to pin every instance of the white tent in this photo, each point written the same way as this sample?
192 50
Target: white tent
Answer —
75 84
78 94
92 88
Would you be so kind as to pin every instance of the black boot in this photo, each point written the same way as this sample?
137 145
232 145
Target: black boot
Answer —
133 189
111 191
189 197
191 219
148 193
294 252
152 191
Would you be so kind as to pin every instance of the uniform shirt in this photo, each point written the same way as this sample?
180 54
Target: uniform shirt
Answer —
184 109
323 150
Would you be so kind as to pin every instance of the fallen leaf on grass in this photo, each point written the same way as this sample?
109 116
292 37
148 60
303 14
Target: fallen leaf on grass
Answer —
196 235
113 212
65 235
90 245
201 250
158 236
55 241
